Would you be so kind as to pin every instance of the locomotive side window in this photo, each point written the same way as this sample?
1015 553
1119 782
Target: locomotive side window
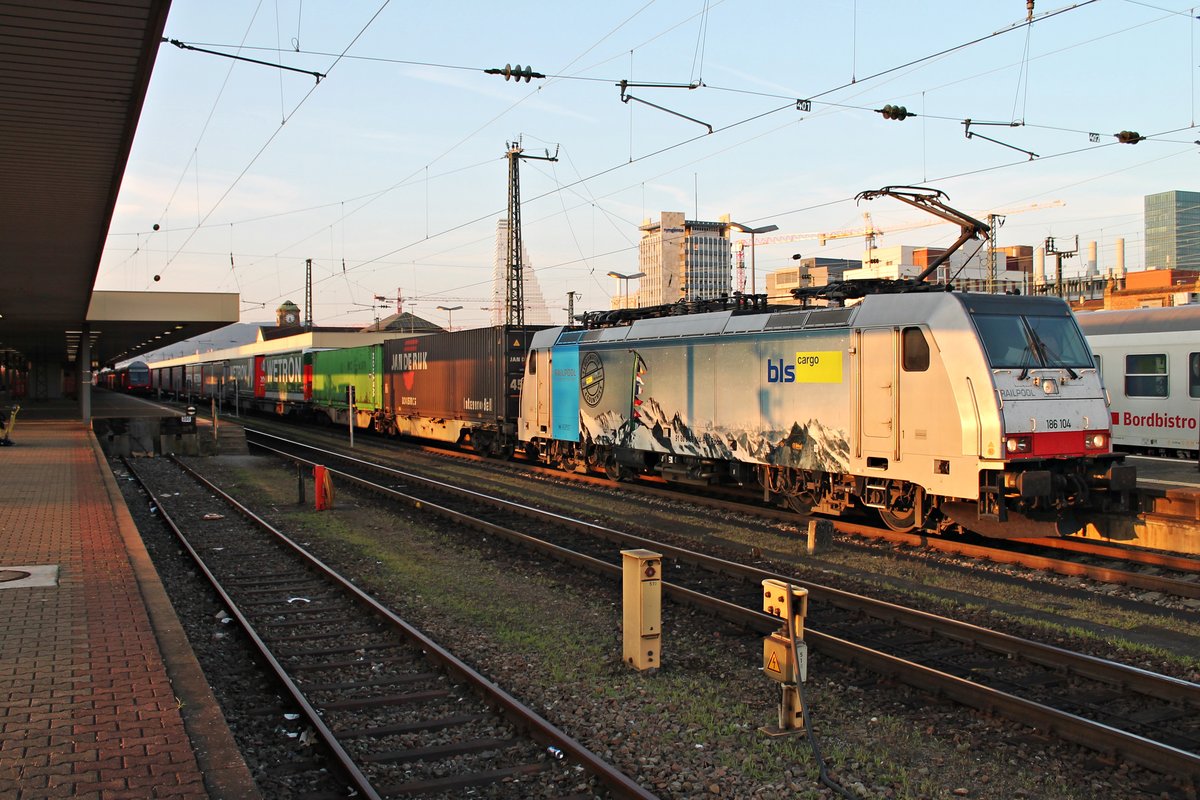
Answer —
1146 375
532 369
1194 374
915 350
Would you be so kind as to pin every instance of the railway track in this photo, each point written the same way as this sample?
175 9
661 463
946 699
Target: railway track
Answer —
399 714
1146 571
1143 717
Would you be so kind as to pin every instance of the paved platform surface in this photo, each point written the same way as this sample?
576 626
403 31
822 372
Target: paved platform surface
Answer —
94 667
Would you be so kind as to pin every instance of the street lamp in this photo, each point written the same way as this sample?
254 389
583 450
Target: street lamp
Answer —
449 315
627 278
753 232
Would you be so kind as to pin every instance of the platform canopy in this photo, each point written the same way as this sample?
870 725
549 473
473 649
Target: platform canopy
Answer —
75 77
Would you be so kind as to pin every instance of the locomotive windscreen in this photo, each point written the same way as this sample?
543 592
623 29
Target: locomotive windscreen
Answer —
1028 342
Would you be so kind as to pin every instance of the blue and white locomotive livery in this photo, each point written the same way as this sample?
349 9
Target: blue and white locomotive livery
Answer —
930 407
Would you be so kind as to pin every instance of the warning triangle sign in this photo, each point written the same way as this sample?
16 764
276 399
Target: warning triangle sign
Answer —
773 663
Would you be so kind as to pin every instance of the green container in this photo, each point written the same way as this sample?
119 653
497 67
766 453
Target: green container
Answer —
335 370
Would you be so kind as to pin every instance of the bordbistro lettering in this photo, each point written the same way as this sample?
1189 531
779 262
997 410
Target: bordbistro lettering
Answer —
1157 420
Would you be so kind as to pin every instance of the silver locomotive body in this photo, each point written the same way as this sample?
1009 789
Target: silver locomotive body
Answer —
934 408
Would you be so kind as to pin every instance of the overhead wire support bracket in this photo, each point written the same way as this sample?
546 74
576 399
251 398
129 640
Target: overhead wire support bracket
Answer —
967 123
626 97
186 46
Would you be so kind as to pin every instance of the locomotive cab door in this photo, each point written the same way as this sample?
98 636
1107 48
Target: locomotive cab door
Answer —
535 397
877 378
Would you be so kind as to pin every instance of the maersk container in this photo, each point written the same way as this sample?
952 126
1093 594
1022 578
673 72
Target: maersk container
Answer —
335 372
461 387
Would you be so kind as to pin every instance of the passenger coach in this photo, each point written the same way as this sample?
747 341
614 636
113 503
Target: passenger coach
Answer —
1150 360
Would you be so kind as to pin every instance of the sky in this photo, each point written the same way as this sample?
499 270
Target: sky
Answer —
390 171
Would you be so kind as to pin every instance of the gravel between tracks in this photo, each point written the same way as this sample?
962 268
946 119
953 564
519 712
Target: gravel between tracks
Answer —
553 638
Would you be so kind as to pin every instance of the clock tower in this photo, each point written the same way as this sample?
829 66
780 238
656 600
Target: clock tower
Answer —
287 315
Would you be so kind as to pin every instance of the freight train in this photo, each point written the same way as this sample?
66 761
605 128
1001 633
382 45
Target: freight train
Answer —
935 409
459 388
1150 360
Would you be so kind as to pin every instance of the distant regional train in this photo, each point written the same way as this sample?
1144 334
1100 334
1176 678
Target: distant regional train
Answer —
1150 360
935 409
133 377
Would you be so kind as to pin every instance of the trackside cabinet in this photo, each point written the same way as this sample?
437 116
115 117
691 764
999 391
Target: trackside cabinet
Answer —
641 583
785 656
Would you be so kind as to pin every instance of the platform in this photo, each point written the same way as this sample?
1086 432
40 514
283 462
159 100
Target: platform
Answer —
101 695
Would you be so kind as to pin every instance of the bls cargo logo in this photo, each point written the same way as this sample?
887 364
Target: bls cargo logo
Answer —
408 361
809 367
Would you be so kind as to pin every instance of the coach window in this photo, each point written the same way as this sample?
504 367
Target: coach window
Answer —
1146 375
915 350
1194 374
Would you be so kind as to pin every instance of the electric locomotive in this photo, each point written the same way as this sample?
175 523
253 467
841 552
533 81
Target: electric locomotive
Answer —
935 408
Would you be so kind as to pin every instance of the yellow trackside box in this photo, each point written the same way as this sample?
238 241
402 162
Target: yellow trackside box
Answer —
641 583
790 605
778 601
779 660
785 656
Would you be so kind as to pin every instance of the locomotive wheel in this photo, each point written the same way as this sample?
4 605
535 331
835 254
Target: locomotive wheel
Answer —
801 504
616 472
899 521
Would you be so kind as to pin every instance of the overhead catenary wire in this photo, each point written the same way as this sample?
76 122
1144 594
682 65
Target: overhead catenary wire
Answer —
557 189
270 139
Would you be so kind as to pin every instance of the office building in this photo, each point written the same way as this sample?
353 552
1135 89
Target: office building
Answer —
1172 232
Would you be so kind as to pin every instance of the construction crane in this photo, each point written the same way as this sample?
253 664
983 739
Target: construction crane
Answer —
868 231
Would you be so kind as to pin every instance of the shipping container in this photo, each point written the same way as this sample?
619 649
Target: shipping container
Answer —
287 382
335 372
462 387
239 381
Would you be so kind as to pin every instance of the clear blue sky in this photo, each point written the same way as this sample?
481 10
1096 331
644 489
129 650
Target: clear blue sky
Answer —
390 172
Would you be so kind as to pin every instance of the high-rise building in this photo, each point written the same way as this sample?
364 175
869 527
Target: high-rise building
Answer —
682 260
536 312
1172 230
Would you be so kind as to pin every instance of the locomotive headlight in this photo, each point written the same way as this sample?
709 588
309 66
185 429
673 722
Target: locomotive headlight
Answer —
1018 444
1049 386
1096 441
